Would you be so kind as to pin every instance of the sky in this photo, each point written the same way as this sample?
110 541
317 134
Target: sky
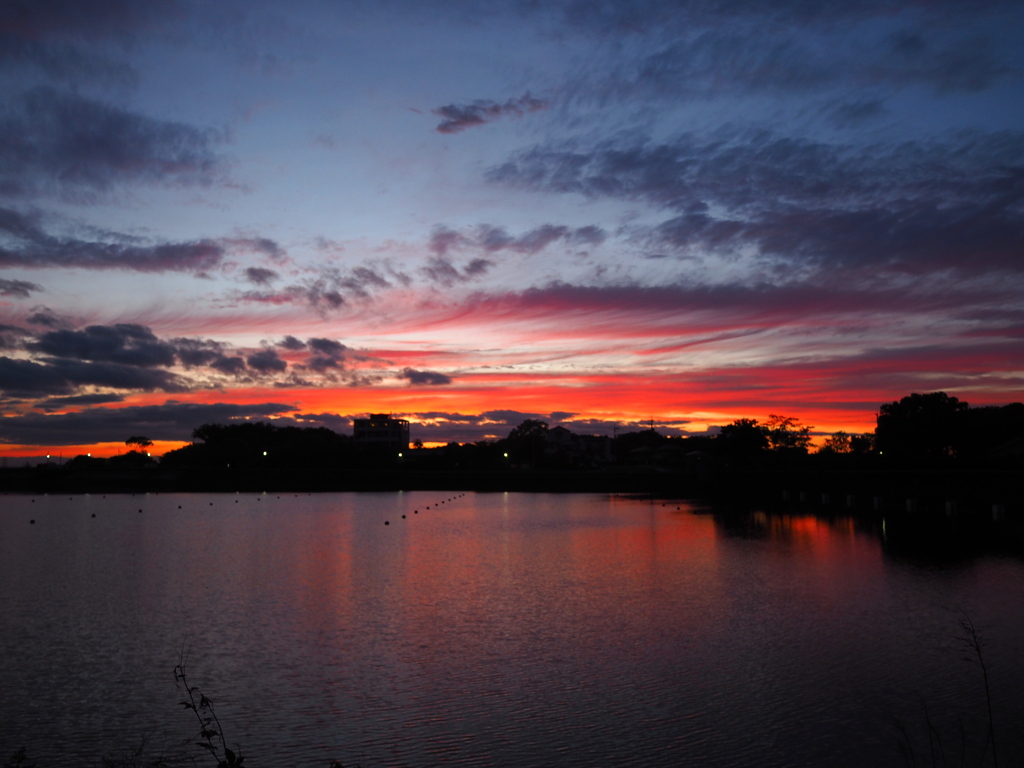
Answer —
607 215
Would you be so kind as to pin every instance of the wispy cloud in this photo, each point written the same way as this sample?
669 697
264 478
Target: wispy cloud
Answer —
60 143
459 117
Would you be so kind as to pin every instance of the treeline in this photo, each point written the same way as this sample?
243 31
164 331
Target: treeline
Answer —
932 431
918 430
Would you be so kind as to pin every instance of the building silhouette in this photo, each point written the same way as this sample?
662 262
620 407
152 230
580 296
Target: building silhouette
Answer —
383 432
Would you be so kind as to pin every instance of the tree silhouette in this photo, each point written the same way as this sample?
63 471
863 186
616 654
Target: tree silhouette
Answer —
743 437
526 442
786 433
138 442
920 426
839 442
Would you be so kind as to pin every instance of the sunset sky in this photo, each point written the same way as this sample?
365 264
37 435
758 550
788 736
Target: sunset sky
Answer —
603 214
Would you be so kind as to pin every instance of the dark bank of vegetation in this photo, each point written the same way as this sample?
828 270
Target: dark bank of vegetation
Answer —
927 452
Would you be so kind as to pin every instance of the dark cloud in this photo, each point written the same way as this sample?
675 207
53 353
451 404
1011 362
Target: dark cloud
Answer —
58 38
266 361
332 288
330 354
63 62
424 378
459 117
360 281
98 19
292 344
739 61
494 239
47 318
444 239
171 421
125 343
28 379
443 272
854 112
259 245
205 352
27 244
260 275
76 401
328 347
11 336
950 204
20 289
54 142
948 43
233 366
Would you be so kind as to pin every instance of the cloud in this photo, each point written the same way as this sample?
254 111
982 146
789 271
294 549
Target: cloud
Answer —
908 205
424 378
330 354
20 289
129 356
443 272
494 239
206 352
47 318
170 421
27 244
328 347
263 246
27 379
63 40
44 19
76 401
734 48
260 275
56 142
125 343
459 117
266 361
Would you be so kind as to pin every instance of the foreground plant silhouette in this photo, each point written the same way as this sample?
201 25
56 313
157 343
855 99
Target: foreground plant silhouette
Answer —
211 734
972 642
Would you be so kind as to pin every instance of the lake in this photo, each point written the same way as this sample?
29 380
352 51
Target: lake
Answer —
442 628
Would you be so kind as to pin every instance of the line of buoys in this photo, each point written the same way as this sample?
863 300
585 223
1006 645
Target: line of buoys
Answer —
436 504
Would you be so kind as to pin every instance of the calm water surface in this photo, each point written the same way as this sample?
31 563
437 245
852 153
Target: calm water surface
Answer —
489 630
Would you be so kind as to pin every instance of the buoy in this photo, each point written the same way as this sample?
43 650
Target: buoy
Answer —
385 522
94 514
140 511
403 517
31 522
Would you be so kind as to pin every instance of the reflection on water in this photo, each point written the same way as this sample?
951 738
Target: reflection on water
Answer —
523 629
